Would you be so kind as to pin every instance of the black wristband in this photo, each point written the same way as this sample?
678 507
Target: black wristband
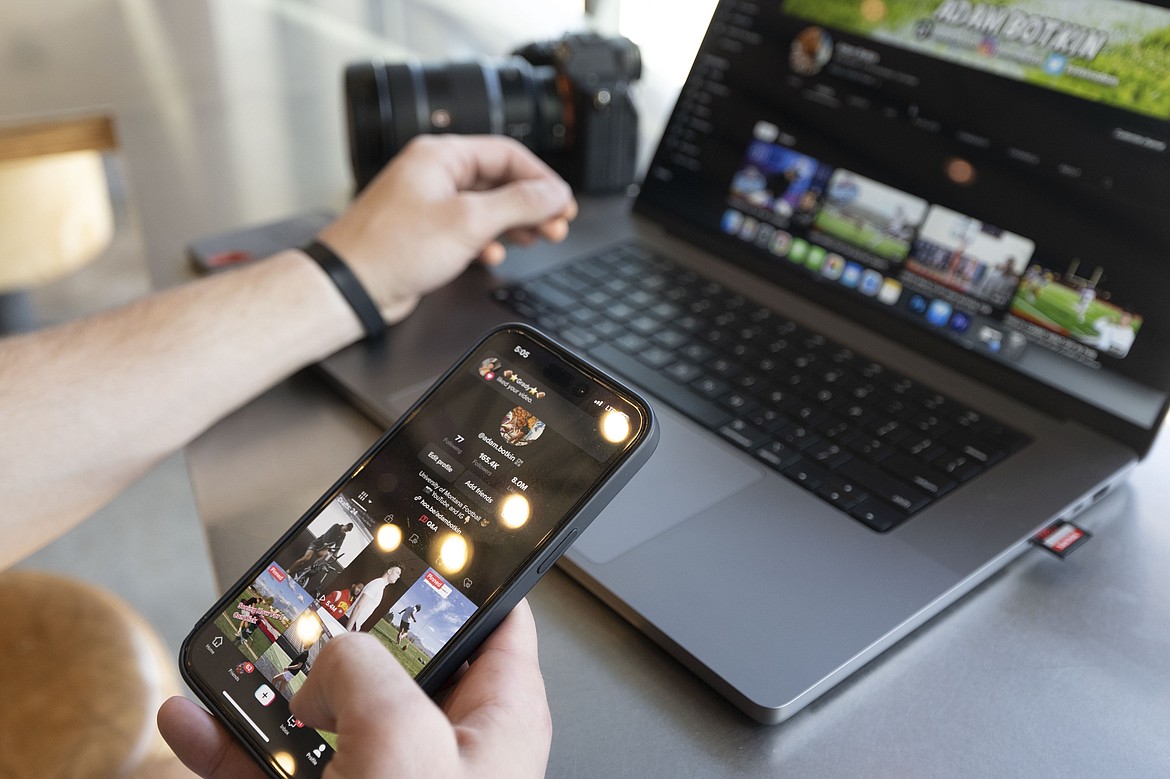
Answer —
351 289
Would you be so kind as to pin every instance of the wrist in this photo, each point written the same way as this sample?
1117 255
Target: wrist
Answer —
348 285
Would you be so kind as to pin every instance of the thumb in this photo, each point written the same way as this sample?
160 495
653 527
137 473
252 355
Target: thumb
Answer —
517 204
202 744
358 690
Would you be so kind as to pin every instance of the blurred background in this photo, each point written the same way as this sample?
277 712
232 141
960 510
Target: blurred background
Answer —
207 100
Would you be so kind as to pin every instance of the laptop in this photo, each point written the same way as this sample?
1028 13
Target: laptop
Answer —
949 226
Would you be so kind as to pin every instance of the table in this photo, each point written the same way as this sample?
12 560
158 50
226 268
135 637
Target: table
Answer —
229 114
1050 668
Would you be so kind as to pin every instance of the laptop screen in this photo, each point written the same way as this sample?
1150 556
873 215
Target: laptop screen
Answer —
994 174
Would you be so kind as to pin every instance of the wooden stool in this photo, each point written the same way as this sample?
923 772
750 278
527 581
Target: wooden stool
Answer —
55 212
81 678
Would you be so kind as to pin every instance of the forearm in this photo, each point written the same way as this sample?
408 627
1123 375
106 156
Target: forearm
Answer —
89 407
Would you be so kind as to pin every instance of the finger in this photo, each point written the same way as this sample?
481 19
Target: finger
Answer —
493 254
481 161
554 230
526 236
358 690
202 744
517 204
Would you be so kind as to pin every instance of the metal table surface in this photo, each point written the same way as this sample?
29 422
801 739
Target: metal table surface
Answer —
1051 668
229 113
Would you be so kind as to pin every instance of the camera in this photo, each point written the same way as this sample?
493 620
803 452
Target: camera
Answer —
568 100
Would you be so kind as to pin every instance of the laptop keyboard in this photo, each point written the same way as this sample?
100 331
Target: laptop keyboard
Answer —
863 438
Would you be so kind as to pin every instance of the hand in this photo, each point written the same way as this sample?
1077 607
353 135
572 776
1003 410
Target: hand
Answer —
442 202
493 723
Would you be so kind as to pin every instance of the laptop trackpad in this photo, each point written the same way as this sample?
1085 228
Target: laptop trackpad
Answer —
687 474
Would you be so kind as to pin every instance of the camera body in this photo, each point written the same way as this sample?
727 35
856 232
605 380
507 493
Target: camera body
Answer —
568 100
600 151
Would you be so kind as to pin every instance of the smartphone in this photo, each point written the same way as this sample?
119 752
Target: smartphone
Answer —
428 540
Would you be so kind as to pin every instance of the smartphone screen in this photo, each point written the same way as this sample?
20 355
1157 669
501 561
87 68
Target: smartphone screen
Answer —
450 514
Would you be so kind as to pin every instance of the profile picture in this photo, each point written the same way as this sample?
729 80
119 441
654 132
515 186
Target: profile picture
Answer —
520 427
811 50
489 367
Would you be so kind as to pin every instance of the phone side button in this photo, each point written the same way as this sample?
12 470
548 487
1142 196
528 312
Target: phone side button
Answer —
555 554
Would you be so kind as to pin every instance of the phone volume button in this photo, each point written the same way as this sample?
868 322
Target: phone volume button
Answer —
555 554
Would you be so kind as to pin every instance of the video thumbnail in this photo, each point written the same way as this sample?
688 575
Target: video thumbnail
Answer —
374 581
423 620
289 659
778 183
970 256
1076 307
264 610
869 215
330 542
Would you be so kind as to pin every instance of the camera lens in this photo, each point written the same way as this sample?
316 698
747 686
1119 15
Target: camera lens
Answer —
387 105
